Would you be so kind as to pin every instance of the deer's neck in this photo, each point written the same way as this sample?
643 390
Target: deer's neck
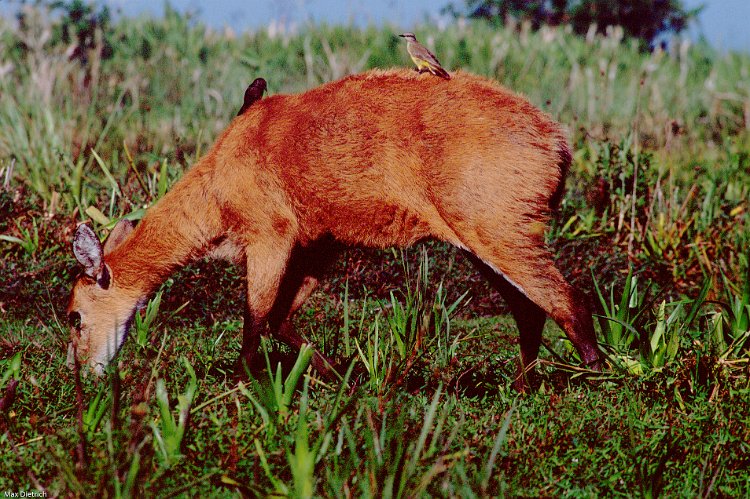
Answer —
175 231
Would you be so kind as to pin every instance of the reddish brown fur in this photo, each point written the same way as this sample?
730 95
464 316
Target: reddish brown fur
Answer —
385 158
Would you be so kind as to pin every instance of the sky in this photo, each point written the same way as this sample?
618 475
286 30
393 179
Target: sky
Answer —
723 22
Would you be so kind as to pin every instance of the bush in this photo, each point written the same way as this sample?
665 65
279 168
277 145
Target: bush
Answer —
646 20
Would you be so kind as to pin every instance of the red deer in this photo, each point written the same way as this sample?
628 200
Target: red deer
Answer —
384 158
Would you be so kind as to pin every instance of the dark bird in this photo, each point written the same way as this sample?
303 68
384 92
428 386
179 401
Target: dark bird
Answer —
253 93
423 58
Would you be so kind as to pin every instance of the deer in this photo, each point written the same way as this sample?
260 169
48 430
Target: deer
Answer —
385 158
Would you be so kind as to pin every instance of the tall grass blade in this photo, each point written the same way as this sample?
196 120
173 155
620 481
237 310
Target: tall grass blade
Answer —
499 441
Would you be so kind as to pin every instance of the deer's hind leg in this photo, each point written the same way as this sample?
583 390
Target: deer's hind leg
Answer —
529 317
536 287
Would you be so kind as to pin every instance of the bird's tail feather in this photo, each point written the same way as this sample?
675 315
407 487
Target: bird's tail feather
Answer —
438 71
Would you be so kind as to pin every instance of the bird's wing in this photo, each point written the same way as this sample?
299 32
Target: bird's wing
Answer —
431 57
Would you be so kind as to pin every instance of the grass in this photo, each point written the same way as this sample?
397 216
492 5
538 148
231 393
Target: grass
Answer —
623 437
654 226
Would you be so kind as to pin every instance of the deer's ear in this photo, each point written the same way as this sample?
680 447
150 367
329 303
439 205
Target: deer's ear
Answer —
121 231
88 250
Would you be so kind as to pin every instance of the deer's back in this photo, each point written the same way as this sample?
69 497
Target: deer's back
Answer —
397 150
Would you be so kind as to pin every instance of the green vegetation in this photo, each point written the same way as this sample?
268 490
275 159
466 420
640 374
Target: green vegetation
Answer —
654 226
642 19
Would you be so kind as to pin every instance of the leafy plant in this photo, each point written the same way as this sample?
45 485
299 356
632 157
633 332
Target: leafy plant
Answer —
168 431
731 327
12 369
408 321
378 357
272 401
658 341
447 339
9 381
96 409
412 322
302 455
29 241
143 321
738 312
124 486
619 322
403 456
664 342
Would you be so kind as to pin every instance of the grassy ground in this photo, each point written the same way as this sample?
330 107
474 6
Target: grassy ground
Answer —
654 227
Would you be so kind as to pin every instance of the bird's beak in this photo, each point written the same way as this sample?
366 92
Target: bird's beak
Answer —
402 36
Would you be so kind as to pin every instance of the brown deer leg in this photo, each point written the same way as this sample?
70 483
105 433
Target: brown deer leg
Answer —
282 327
251 333
528 267
303 272
529 317
266 265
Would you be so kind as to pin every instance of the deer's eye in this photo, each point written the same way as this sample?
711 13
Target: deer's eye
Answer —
74 320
